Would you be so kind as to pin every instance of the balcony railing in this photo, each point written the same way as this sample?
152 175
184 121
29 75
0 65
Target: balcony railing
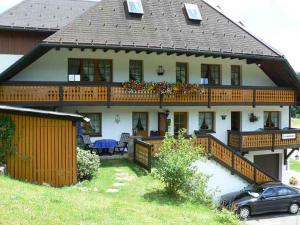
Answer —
28 93
264 140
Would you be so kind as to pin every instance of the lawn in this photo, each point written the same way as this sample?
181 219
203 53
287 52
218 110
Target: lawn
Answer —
294 165
295 123
141 201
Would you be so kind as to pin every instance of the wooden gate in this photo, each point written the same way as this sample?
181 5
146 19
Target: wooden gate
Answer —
142 154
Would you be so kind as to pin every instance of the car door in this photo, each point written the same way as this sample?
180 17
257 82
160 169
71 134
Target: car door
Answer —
284 198
266 202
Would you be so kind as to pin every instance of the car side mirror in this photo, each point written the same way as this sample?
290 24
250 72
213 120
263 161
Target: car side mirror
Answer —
262 197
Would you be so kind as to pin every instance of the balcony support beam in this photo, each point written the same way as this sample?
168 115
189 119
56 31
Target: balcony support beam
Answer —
288 155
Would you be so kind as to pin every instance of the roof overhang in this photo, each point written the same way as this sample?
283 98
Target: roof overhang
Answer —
42 113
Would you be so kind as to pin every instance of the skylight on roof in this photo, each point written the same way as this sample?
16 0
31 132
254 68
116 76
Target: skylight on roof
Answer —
193 11
135 6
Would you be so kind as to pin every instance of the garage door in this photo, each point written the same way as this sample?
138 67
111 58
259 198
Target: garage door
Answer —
268 163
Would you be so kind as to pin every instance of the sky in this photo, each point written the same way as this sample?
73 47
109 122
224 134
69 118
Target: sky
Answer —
277 22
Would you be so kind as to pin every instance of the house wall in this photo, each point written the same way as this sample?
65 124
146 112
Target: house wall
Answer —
216 182
109 127
54 67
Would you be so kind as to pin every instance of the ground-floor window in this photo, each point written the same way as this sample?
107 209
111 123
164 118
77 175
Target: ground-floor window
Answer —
271 120
206 121
94 128
180 121
140 124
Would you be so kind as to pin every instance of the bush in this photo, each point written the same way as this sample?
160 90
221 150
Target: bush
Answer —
293 181
227 217
87 164
174 166
7 132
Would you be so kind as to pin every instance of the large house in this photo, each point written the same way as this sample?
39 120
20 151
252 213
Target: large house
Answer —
145 67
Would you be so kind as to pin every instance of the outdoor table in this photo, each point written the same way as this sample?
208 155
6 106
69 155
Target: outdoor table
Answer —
105 144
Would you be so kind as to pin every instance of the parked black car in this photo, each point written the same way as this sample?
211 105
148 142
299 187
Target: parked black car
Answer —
264 198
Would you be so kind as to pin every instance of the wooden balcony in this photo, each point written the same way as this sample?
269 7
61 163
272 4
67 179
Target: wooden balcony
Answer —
29 93
264 140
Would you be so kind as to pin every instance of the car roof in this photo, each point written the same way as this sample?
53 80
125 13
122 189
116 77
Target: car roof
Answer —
272 184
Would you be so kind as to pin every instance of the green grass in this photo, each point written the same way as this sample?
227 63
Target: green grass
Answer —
141 201
294 165
295 123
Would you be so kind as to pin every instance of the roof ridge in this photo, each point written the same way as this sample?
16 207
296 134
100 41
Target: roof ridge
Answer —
245 29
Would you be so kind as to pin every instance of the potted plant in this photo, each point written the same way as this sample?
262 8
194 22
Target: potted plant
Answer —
253 118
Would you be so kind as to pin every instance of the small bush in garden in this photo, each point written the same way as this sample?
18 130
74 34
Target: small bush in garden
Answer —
174 166
227 217
7 132
293 181
87 164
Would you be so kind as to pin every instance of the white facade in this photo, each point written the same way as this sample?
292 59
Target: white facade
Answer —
54 67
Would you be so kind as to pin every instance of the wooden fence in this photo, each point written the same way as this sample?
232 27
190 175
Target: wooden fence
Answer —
142 154
227 157
46 150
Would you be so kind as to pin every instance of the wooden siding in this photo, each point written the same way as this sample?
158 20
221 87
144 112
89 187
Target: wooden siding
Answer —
68 93
46 150
225 156
262 140
20 42
142 154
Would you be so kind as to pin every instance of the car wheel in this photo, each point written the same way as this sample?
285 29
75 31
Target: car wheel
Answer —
294 208
244 212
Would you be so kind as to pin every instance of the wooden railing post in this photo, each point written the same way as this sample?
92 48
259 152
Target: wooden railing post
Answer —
232 164
161 99
149 158
254 175
108 95
254 97
61 94
209 97
273 142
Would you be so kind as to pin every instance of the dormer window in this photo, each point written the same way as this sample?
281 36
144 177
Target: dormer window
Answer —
135 7
193 11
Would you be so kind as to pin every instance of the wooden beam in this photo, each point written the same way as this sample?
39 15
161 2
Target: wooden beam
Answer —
94 49
117 50
170 53
138 51
179 54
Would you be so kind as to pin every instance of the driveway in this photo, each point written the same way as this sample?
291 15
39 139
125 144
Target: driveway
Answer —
274 219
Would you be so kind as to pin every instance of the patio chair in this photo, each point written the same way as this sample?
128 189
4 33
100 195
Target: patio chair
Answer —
123 143
89 145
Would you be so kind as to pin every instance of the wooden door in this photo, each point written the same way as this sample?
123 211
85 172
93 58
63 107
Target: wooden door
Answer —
236 121
268 163
162 124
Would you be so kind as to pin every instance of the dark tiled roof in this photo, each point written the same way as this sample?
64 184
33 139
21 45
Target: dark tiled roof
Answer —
43 14
164 25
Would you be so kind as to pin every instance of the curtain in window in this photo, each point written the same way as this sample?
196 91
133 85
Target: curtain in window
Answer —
88 70
181 71
139 121
205 121
136 71
94 127
105 71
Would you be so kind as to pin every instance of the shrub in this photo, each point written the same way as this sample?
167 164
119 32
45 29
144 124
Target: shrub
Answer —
174 166
87 164
227 217
7 132
293 181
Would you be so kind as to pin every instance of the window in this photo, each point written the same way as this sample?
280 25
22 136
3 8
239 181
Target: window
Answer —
193 11
74 70
271 120
180 121
135 6
235 75
105 70
181 73
283 191
211 74
270 192
94 128
140 124
136 70
206 121
90 70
